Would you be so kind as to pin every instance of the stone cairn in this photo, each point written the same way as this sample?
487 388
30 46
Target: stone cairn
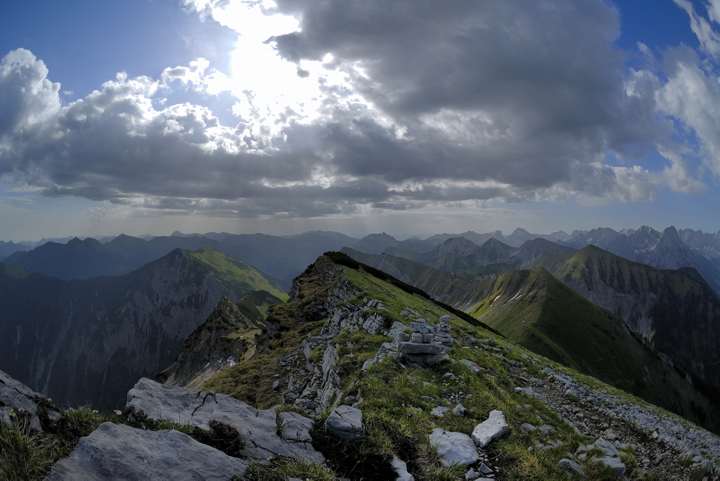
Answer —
426 345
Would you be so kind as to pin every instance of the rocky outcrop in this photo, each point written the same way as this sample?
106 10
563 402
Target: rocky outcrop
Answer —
295 427
115 452
653 435
258 429
313 384
346 423
16 399
227 337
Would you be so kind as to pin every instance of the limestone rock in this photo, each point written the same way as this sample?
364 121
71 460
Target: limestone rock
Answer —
571 467
426 345
258 428
115 451
295 427
439 411
546 429
613 463
609 457
17 397
453 448
345 422
400 468
471 365
491 429
527 428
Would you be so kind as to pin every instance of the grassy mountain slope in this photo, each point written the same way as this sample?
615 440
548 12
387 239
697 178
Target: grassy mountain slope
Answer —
229 335
537 311
319 340
458 290
459 255
541 253
238 273
88 341
674 311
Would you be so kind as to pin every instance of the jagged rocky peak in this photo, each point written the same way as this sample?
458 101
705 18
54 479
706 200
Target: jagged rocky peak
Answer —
670 239
496 245
647 232
375 243
518 237
457 246
228 336
124 240
380 237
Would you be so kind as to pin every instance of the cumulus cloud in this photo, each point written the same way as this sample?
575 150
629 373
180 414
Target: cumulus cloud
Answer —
347 105
27 97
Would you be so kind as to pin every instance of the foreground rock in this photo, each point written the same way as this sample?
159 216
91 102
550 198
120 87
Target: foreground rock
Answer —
571 467
115 452
453 448
18 399
401 470
345 422
257 428
491 429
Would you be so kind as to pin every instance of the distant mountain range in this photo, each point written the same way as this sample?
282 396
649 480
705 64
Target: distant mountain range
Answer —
9 248
281 258
88 341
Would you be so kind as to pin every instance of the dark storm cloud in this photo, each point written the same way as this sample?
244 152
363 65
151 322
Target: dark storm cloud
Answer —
479 100
546 73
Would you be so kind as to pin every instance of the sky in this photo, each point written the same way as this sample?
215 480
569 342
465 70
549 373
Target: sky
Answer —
411 116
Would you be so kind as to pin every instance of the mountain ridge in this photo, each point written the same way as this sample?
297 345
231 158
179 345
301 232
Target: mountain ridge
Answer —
85 340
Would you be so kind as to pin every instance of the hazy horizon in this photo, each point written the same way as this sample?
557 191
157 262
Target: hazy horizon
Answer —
354 234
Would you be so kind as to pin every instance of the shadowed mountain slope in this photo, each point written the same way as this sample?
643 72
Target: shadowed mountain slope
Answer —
88 341
674 311
537 311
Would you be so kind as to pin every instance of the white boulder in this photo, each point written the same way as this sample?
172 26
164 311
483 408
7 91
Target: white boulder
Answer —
453 448
494 427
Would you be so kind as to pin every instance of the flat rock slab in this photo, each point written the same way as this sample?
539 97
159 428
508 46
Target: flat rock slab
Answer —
345 422
15 396
491 429
295 427
257 428
453 448
116 451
